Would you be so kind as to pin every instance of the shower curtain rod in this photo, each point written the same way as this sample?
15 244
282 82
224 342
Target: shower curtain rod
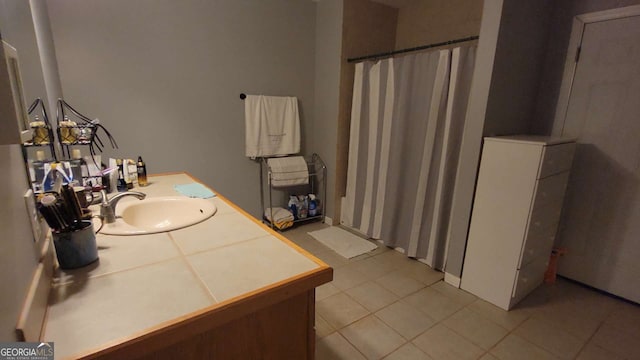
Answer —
423 47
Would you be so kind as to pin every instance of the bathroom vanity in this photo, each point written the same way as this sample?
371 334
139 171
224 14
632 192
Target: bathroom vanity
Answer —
225 288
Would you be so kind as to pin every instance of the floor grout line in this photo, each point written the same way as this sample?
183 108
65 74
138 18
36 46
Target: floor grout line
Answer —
508 322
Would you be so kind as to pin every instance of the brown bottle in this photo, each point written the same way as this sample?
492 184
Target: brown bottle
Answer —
142 172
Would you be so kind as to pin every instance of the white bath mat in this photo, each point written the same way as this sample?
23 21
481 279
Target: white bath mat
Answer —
343 242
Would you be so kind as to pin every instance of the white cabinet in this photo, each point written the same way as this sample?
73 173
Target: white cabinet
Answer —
516 210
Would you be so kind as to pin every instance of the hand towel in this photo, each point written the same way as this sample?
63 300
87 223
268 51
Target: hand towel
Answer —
272 126
194 190
288 171
282 218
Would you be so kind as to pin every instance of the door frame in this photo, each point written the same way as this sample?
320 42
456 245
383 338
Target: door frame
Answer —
570 64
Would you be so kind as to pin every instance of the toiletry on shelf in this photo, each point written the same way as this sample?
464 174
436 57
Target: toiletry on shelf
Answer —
64 172
106 178
122 183
85 134
303 208
293 206
142 172
313 205
67 132
83 131
130 173
49 178
40 131
36 171
77 165
56 172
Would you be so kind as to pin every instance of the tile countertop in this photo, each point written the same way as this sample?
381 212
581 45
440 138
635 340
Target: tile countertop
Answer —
145 282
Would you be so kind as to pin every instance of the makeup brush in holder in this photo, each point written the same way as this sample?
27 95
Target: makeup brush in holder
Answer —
74 238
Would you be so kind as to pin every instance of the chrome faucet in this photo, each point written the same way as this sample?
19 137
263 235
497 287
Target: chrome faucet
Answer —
108 206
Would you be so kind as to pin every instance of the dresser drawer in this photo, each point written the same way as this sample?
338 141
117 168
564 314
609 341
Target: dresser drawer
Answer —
556 159
528 278
541 231
550 189
544 215
538 243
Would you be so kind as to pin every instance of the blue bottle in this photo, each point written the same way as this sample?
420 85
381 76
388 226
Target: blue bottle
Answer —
313 205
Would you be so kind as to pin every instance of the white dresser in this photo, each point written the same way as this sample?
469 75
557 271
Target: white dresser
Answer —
516 211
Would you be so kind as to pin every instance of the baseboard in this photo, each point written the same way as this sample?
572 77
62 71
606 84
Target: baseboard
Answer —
328 221
355 232
452 279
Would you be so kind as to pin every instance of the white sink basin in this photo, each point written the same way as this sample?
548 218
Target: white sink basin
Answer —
160 214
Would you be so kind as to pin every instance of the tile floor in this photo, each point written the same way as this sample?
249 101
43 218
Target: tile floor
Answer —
383 305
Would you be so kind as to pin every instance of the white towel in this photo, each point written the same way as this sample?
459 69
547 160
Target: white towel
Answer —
272 126
282 218
279 214
288 171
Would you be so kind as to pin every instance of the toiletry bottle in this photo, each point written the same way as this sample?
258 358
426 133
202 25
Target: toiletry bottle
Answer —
122 184
130 173
105 180
64 172
293 206
303 206
76 167
142 172
50 175
37 175
313 205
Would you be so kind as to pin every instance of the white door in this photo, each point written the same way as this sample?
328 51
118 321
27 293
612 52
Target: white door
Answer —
600 225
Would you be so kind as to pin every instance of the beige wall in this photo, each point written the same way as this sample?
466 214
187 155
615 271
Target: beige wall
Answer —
425 22
367 28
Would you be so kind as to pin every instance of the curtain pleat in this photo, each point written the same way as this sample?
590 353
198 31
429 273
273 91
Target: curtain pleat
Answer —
347 212
436 115
385 150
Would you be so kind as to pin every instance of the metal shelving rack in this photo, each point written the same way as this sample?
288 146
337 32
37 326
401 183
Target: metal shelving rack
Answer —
317 181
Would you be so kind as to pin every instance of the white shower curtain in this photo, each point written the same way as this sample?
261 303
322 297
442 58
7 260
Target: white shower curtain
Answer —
406 127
